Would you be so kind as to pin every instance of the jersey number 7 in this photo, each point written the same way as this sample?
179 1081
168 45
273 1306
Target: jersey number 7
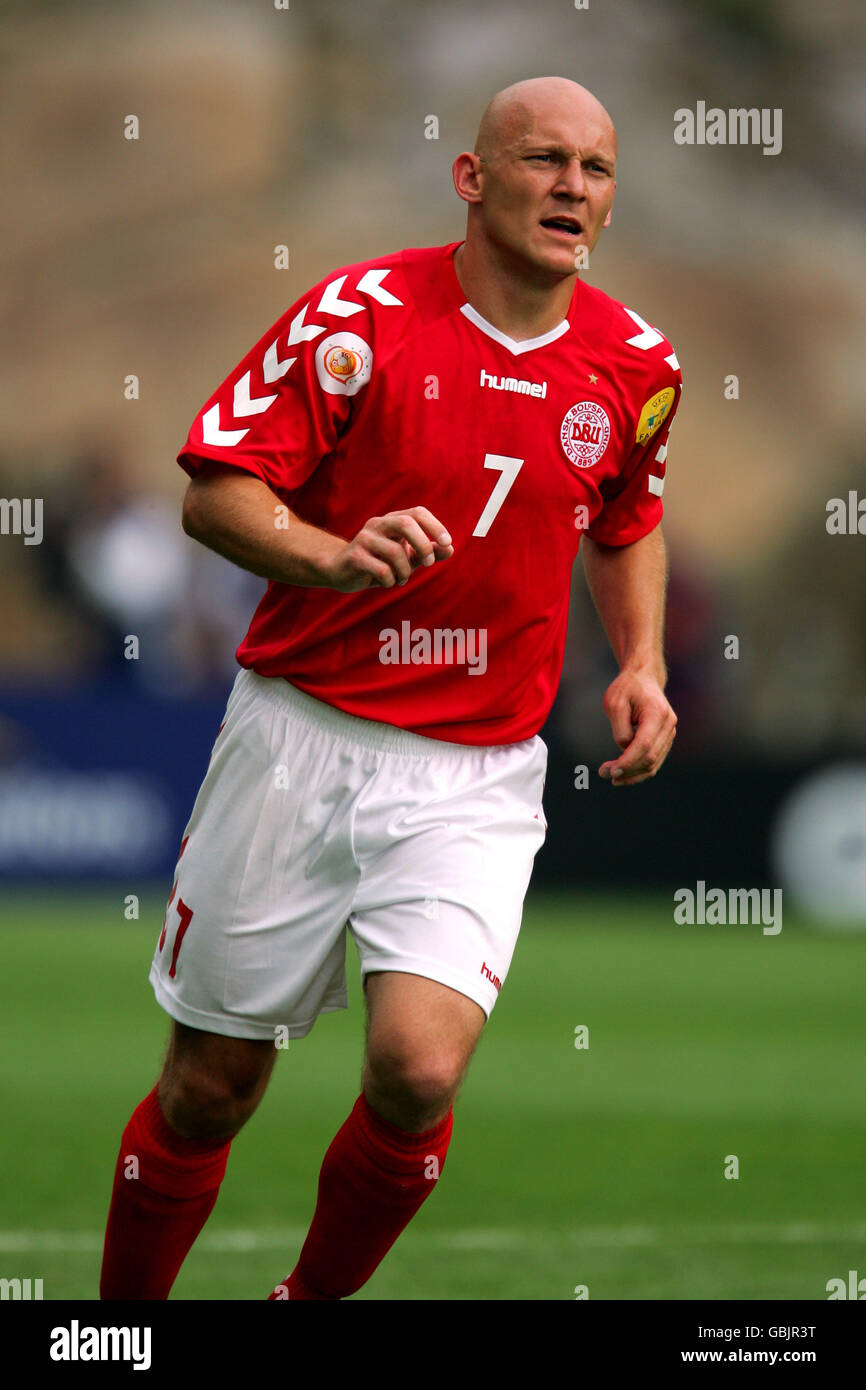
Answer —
508 469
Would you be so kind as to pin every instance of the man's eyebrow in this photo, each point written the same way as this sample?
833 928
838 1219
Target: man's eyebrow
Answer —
553 147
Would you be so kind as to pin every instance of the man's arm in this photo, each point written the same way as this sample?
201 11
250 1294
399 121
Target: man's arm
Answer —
627 584
237 515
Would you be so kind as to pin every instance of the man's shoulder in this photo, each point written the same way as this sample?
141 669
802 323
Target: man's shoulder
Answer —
629 339
408 267
624 322
376 295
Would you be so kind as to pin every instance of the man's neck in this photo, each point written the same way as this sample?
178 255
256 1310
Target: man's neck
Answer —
521 307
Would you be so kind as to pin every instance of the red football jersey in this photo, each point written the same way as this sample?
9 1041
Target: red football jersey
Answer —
382 389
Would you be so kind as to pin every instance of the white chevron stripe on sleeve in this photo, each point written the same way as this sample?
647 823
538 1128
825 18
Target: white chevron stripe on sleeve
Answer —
272 367
331 303
371 283
300 332
648 337
212 434
244 403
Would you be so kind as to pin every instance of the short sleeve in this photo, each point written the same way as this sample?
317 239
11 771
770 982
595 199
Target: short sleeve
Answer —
284 407
633 500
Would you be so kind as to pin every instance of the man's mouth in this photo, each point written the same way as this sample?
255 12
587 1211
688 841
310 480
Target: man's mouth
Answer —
563 223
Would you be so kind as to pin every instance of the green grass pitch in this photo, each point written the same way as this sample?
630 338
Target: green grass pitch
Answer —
602 1166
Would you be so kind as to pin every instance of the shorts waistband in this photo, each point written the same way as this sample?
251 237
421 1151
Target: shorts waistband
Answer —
364 733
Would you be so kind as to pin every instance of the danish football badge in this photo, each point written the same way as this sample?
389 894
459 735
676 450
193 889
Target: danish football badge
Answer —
585 433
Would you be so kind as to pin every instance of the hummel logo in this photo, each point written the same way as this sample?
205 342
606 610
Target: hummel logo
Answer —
511 383
494 979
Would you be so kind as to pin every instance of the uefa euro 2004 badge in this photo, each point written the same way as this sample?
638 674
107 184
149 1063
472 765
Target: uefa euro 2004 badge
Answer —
585 433
343 363
653 413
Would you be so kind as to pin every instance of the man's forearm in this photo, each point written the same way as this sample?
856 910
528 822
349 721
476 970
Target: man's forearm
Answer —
240 518
628 585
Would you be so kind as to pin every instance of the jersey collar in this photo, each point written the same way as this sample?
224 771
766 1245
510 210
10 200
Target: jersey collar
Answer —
517 348
526 345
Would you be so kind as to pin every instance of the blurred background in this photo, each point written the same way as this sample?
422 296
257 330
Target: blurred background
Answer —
137 272
153 258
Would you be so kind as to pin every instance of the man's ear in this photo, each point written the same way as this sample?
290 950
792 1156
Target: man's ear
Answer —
465 172
606 222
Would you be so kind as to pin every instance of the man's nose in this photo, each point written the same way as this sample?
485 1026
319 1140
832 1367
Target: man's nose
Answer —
572 180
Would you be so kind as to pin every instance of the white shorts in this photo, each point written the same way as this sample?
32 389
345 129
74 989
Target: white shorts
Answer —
311 821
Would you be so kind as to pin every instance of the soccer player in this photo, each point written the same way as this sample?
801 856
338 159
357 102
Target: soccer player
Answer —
411 456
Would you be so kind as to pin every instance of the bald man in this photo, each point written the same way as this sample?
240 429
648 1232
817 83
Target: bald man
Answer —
412 456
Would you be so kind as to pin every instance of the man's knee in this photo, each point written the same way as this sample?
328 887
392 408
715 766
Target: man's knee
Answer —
210 1085
420 1038
411 1086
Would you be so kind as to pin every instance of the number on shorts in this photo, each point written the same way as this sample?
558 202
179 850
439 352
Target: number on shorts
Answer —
184 913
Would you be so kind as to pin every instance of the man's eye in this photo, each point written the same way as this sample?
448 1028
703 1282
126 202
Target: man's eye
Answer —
548 157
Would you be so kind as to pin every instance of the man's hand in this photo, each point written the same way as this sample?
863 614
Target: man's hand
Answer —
240 517
388 549
643 724
627 584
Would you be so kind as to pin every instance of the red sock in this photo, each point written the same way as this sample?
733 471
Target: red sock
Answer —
159 1208
373 1180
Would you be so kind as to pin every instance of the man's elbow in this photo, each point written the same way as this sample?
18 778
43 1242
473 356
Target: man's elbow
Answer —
192 518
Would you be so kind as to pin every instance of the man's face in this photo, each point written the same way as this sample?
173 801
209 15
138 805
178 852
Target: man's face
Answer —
547 189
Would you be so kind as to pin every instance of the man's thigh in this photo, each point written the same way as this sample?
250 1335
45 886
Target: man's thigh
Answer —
419 1026
446 849
254 937
240 1063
